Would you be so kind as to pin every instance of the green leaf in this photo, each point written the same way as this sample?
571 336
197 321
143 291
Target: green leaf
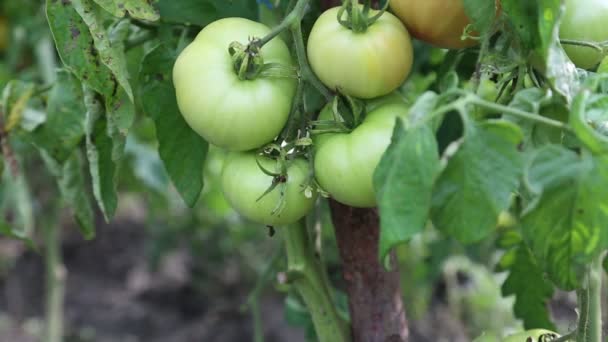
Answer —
559 70
146 165
523 16
566 223
588 110
203 12
478 181
528 284
482 14
404 184
138 9
182 150
72 186
64 126
16 204
102 165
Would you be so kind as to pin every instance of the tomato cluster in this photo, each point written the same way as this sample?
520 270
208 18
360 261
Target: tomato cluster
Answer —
224 99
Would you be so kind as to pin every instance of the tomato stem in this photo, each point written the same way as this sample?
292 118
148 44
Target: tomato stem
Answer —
596 46
590 304
295 16
306 273
55 283
516 112
306 72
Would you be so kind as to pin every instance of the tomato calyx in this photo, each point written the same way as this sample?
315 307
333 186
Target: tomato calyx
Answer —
359 18
347 113
246 59
249 64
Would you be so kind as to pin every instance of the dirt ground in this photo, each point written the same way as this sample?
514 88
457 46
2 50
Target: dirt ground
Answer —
113 296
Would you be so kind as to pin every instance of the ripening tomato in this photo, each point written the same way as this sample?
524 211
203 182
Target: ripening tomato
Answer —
229 112
364 64
243 183
345 162
437 22
584 20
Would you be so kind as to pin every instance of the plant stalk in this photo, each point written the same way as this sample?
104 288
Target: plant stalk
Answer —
295 16
55 284
590 304
305 272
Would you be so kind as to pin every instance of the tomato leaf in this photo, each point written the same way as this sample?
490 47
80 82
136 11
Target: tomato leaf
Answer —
559 69
17 200
587 110
482 14
203 12
566 223
404 182
182 151
528 284
64 126
72 186
139 9
478 181
102 165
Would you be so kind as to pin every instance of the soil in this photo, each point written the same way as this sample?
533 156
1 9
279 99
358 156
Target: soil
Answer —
113 296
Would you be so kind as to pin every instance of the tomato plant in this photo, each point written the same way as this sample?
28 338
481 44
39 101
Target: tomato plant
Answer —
232 113
244 184
365 64
584 21
437 22
345 162
400 165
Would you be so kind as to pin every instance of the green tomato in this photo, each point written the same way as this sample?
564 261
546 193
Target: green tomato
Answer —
243 183
603 68
229 112
533 335
361 64
345 162
584 20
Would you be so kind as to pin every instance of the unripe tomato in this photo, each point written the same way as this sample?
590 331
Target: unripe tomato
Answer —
437 22
229 112
345 162
533 335
361 64
243 182
584 20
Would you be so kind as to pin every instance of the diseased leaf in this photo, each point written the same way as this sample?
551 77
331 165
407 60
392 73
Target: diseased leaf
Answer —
71 181
66 114
138 9
102 165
